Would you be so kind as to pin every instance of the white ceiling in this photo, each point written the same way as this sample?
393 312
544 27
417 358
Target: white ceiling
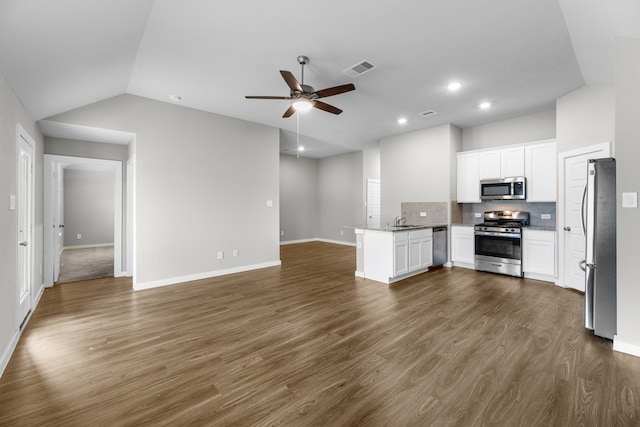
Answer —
520 55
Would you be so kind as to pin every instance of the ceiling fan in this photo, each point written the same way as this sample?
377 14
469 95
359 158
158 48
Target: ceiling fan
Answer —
305 97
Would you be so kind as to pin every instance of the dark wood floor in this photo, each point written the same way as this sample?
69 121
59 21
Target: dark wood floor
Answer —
309 344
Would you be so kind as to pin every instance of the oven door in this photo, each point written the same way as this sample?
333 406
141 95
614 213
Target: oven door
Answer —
506 247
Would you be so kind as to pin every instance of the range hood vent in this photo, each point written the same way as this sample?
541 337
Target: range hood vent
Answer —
359 69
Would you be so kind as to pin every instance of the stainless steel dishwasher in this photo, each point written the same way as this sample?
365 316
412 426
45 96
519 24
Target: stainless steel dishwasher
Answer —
439 245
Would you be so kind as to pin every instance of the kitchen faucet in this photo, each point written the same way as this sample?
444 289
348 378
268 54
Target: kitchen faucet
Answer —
398 220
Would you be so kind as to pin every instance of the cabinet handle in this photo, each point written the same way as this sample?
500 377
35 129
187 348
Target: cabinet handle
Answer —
567 229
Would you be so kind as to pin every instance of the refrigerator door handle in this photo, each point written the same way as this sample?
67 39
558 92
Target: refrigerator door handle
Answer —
588 296
583 220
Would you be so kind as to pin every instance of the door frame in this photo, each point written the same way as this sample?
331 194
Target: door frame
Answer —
370 182
606 147
23 135
50 164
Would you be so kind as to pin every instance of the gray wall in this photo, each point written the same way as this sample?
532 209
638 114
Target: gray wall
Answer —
413 169
11 113
340 196
92 150
532 127
298 198
199 177
627 125
88 207
585 117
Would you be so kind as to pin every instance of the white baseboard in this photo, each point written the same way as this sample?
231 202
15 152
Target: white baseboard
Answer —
337 242
6 356
101 245
624 347
200 276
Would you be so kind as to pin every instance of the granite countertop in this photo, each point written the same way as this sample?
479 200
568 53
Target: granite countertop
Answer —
394 228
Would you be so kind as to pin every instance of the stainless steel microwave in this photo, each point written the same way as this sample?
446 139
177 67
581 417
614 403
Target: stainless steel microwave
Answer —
512 188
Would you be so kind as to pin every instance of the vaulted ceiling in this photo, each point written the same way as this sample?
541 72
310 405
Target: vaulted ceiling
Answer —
519 55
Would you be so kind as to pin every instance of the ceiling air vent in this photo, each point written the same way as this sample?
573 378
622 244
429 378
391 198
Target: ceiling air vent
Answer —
359 69
427 113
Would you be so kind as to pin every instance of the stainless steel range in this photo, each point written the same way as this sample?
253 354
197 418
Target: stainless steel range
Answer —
498 242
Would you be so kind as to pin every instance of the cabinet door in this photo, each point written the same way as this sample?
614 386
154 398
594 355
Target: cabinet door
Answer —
490 164
415 254
540 170
400 257
426 252
512 162
462 245
468 185
539 252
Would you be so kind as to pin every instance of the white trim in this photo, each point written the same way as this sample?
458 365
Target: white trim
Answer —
337 242
99 245
359 274
623 347
206 275
606 148
116 165
6 356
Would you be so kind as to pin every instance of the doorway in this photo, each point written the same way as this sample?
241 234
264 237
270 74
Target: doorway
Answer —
573 173
55 168
373 202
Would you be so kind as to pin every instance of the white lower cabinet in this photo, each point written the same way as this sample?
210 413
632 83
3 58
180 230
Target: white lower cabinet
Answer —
462 246
539 254
390 256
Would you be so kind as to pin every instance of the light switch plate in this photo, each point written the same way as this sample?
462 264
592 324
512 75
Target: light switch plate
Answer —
423 214
12 202
269 203
545 216
630 200
477 214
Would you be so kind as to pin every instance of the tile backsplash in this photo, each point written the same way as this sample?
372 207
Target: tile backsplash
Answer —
535 209
436 212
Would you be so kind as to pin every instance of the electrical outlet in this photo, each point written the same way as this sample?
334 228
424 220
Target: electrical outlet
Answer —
342 232
477 214
423 214
235 252
269 203
630 200
545 216
220 255
282 232
78 236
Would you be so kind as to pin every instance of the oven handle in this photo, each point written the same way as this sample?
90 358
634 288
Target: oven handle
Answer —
498 234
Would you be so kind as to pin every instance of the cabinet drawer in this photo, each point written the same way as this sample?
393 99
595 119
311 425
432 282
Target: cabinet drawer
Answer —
420 234
399 236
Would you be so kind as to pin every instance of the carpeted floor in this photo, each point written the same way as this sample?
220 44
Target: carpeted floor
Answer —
85 264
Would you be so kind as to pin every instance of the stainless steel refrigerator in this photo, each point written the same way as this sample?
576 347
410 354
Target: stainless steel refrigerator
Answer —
599 226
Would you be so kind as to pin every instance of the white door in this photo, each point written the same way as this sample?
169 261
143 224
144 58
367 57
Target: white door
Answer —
574 179
58 219
25 223
373 202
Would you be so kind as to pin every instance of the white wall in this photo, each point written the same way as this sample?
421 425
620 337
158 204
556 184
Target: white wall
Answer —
627 129
88 207
532 127
92 150
340 196
298 198
585 117
202 186
416 167
11 113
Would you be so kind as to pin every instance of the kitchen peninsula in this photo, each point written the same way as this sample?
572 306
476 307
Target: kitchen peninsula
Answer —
392 253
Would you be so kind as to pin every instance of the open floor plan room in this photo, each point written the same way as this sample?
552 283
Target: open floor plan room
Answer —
308 343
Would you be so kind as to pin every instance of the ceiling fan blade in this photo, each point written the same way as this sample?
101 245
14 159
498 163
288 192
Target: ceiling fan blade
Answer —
326 107
289 112
267 97
335 90
291 81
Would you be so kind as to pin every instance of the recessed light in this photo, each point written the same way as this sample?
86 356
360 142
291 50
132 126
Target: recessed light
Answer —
175 98
402 120
485 105
453 86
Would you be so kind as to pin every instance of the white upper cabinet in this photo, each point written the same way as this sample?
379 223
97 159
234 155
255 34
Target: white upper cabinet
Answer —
468 176
535 161
490 164
540 171
512 161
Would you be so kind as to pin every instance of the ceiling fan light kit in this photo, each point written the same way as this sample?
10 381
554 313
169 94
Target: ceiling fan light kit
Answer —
304 97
